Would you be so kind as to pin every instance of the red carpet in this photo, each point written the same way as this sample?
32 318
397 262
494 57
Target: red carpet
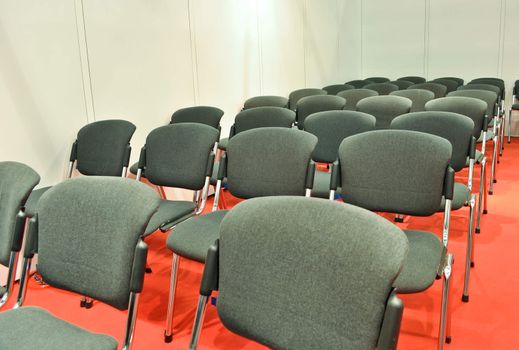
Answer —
489 321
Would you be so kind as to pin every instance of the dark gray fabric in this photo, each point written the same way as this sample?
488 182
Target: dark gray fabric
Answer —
419 98
422 263
269 161
454 127
87 245
413 79
471 107
461 196
321 187
378 79
331 127
384 108
336 88
438 90
382 88
16 182
396 171
500 83
30 328
457 80
296 95
515 106
169 212
313 104
198 114
481 86
489 97
278 256
358 84
354 96
451 85
133 169
261 117
222 144
101 147
402 84
31 206
177 154
192 238
266 101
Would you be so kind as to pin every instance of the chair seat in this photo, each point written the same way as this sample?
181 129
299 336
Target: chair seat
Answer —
460 197
192 238
222 144
170 213
426 254
31 205
30 328
515 106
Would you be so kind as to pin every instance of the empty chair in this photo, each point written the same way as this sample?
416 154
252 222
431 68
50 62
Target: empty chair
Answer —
266 101
359 84
278 255
460 81
16 183
312 104
336 88
378 79
352 97
402 84
382 88
514 107
451 85
102 257
413 79
418 97
438 90
384 108
331 127
406 172
296 95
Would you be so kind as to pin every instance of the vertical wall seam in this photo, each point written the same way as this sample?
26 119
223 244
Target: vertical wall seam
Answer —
194 54
502 24
427 22
338 70
304 41
361 41
260 47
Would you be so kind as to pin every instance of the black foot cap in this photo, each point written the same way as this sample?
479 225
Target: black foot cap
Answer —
82 303
495 181
448 339
472 264
168 338
149 270
89 304
465 298
485 211
399 219
478 230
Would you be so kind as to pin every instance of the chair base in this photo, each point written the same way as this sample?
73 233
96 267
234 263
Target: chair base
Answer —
168 338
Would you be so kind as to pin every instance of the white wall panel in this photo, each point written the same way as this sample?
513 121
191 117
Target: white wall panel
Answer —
350 62
510 67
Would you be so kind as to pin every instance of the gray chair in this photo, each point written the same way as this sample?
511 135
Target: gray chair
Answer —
296 95
178 155
384 108
438 90
402 84
276 292
513 107
258 163
458 130
406 172
382 88
16 183
352 97
378 79
266 101
331 127
451 85
359 83
313 104
460 81
102 148
336 88
418 97
112 210
413 79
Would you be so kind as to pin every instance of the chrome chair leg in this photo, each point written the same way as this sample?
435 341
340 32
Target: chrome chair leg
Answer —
493 168
199 320
510 126
480 195
168 333
443 336
470 250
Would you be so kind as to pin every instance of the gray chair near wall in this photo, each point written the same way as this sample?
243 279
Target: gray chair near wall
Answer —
460 81
382 88
438 90
296 95
413 79
312 104
378 79
352 97
111 210
402 84
256 268
450 84
359 83
514 106
266 101
384 108
418 97
336 88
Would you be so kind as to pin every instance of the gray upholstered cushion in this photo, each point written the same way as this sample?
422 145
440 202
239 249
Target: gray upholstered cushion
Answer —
313 104
496 82
134 167
384 108
515 106
426 253
261 117
413 79
439 90
192 238
395 171
336 88
88 228
321 188
402 84
222 144
280 255
264 101
30 328
16 182
419 98
31 206
207 115
451 85
354 96
382 88
489 97
296 95
459 81
377 80
170 212
358 84
461 196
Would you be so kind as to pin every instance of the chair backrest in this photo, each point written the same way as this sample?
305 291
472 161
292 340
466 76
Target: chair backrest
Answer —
313 104
282 254
352 97
16 183
260 117
384 108
103 147
489 97
198 114
266 101
500 83
454 127
177 155
269 161
451 85
413 79
481 86
395 171
456 79
402 84
336 88
516 88
382 88
471 107
378 79
331 127
359 83
88 246
296 95
438 90
418 97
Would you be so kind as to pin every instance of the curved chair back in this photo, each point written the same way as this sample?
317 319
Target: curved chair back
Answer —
454 127
413 79
198 114
481 86
336 88
418 97
312 104
378 79
396 171
384 108
382 88
258 258
489 97
500 83
438 90
352 97
456 79
331 127
451 85
402 84
266 101
359 83
260 117
296 95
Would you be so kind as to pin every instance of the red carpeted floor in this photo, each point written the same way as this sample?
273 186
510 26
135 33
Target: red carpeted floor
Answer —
489 321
